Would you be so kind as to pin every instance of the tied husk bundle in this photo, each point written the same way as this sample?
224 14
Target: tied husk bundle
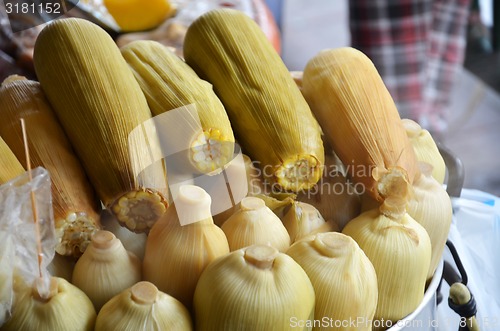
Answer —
269 115
76 209
425 148
360 121
253 288
400 251
176 254
66 308
431 207
106 269
254 223
143 307
303 219
99 103
343 278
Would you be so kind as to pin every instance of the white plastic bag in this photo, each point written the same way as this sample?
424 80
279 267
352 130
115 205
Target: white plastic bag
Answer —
18 235
475 232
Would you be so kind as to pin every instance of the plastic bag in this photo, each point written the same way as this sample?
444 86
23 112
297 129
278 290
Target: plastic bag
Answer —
18 235
475 232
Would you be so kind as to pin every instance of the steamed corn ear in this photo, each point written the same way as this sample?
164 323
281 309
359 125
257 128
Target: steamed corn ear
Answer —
254 288
10 167
74 202
425 148
99 103
270 117
169 83
360 120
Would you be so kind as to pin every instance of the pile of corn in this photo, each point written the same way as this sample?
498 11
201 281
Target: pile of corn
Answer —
306 257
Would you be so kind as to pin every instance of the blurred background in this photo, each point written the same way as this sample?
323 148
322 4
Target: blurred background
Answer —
454 93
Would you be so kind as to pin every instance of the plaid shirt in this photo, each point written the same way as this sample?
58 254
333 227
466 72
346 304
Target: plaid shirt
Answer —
418 47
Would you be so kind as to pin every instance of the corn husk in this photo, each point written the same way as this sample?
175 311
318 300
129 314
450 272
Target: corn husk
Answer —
132 241
169 83
176 254
343 278
253 288
67 308
254 223
335 196
303 219
10 167
105 269
269 115
360 121
75 205
142 308
431 207
425 148
400 251
99 104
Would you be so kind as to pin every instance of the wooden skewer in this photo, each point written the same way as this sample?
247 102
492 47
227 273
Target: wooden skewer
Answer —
33 200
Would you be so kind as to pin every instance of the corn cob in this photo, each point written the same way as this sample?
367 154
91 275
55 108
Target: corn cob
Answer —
169 83
99 102
75 206
271 119
10 167
360 121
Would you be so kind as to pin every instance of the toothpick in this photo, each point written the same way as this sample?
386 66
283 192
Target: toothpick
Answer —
33 199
